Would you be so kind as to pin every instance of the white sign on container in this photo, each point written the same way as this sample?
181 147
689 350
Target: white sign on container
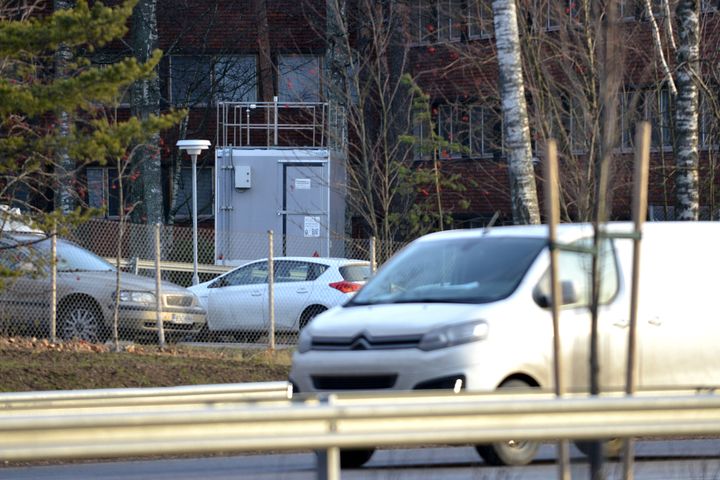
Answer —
312 226
302 184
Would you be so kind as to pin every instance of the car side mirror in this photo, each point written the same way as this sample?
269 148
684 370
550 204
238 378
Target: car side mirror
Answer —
568 294
220 282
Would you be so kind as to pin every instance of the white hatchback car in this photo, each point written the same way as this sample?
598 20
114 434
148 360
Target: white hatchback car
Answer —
237 301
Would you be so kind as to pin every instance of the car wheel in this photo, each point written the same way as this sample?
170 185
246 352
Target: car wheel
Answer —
509 452
310 312
610 448
355 458
81 320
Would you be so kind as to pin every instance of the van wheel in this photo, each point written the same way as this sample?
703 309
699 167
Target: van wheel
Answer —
509 452
610 448
310 312
355 458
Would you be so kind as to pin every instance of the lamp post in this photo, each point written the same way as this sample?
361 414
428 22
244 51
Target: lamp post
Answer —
193 148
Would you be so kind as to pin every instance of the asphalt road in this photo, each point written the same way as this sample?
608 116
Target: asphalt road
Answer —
661 460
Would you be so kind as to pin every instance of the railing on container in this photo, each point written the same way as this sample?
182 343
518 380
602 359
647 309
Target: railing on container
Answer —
275 124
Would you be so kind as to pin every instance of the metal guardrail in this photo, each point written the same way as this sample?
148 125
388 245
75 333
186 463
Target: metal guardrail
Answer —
137 264
355 421
71 401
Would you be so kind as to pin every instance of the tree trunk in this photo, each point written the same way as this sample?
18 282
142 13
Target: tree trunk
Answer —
515 119
264 58
145 100
686 116
65 166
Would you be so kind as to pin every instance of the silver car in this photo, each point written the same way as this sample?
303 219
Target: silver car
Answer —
86 294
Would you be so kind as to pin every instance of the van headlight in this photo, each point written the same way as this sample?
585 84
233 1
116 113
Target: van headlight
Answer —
135 296
452 335
304 342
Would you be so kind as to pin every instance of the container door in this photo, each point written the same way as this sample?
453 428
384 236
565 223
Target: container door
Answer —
305 210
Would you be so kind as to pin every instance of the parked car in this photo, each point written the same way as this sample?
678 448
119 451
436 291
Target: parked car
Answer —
237 301
86 292
471 308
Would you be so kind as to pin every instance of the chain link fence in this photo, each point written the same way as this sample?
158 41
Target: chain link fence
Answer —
129 282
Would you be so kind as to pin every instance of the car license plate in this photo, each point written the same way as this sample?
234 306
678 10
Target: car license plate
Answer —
181 318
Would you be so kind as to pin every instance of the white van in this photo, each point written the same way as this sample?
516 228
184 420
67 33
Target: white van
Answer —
473 306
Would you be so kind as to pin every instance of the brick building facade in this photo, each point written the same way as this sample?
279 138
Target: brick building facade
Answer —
219 50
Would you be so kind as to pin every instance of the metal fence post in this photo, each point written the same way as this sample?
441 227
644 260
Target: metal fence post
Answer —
158 291
373 255
53 286
639 207
271 298
328 461
552 203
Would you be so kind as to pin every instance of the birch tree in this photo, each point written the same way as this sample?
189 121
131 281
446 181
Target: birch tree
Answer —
523 191
64 194
686 117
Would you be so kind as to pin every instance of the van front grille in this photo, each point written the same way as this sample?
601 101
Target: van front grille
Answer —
360 382
366 342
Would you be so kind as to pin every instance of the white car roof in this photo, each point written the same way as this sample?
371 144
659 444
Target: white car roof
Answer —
336 261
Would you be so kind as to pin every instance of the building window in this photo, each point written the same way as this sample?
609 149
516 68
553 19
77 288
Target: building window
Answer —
710 5
650 105
576 124
636 9
422 149
201 79
480 16
299 78
709 127
103 190
437 20
470 130
205 193
485 131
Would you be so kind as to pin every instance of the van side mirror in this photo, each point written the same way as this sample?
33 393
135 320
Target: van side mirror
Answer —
543 296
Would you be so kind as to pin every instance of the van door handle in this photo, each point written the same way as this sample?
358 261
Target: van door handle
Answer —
301 290
256 294
621 323
655 321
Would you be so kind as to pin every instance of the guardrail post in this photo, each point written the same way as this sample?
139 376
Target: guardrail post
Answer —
328 461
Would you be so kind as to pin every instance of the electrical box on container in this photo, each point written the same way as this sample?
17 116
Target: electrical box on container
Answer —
243 178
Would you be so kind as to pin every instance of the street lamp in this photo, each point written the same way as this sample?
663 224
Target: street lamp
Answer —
193 148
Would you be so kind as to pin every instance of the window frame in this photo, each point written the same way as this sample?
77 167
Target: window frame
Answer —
211 91
317 79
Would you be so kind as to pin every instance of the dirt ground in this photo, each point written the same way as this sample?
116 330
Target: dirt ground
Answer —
28 364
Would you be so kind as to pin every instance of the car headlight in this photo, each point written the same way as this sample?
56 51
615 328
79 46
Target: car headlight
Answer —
304 342
137 296
452 335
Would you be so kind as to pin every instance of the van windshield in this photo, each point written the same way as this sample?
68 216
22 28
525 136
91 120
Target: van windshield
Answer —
464 270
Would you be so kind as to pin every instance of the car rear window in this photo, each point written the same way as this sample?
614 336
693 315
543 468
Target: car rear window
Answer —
355 273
